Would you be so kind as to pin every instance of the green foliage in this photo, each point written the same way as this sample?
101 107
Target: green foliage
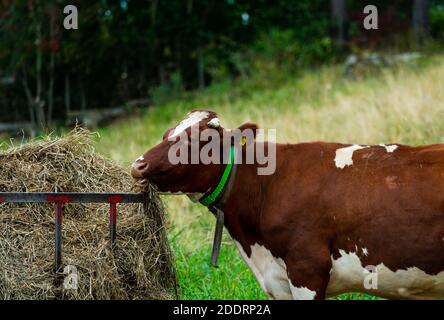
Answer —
173 88
284 47
198 279
437 21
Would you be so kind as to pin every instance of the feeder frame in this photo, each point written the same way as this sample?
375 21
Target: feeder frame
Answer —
61 198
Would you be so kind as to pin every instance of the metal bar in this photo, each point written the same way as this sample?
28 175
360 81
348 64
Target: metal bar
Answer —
217 236
112 222
72 197
113 201
58 235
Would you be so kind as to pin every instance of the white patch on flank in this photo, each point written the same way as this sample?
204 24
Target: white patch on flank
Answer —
344 156
389 148
214 123
302 293
348 274
193 118
365 252
271 273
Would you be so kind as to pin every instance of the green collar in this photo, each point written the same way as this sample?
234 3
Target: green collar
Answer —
209 199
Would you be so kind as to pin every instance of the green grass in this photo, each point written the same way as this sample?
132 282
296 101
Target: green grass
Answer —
191 232
200 280
402 105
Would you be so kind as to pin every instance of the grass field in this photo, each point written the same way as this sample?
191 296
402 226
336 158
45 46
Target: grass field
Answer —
402 105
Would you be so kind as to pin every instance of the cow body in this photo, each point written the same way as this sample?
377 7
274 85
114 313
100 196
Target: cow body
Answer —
328 215
310 229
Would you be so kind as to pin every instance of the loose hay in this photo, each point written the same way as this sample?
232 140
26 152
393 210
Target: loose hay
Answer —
139 267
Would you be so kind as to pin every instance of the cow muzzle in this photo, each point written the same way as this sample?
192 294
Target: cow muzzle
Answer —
138 168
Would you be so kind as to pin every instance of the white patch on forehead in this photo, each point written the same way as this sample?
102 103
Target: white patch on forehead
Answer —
302 293
348 274
193 118
389 148
344 156
214 123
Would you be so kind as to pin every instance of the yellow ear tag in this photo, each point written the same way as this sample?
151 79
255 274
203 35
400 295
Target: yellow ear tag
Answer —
244 140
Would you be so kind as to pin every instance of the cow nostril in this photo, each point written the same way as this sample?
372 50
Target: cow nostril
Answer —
141 166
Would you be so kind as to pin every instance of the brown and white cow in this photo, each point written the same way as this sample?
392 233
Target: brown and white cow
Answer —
329 213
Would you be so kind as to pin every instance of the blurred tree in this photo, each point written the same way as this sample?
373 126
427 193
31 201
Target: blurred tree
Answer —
124 49
437 19
420 20
339 16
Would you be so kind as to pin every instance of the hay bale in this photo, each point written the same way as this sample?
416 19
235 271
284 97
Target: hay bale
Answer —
139 267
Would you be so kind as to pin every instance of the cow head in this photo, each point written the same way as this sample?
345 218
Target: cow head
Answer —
191 177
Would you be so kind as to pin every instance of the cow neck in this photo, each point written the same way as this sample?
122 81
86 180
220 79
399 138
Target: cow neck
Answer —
243 209
217 196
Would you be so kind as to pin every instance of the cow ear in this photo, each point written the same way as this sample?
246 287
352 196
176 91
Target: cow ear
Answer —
248 131
249 126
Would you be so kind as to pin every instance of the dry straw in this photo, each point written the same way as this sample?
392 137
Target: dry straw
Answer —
139 267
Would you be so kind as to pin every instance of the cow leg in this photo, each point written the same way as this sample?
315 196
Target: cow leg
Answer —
309 274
